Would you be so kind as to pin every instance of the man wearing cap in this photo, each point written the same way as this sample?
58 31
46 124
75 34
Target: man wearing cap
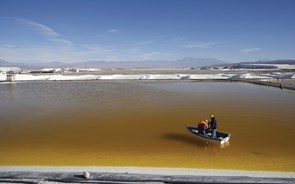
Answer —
213 126
202 126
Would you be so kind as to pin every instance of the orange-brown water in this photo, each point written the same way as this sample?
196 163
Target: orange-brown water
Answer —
143 124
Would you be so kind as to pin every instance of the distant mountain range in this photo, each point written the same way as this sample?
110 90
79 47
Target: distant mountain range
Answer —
286 61
188 62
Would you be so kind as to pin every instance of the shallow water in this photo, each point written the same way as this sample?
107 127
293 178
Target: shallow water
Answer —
143 124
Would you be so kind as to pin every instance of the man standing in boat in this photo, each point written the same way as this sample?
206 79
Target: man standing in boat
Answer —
202 126
213 126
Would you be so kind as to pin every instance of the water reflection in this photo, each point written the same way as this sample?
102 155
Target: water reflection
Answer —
193 141
226 144
10 86
184 138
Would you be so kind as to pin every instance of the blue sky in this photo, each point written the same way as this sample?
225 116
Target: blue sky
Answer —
120 30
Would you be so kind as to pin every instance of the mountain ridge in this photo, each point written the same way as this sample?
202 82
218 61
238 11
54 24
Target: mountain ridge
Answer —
187 62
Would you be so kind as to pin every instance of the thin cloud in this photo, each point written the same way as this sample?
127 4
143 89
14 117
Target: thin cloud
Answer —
143 55
146 42
48 54
44 30
90 48
201 45
250 50
113 31
6 46
179 39
40 28
31 54
150 54
62 41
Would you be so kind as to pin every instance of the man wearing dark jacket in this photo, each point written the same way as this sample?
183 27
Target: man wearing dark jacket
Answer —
213 126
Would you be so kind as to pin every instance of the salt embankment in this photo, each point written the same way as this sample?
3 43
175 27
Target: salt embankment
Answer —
59 77
2 77
221 76
275 75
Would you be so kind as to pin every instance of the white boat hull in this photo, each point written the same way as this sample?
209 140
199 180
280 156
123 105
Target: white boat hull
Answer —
221 137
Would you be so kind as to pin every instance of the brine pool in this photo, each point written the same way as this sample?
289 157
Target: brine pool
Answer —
134 123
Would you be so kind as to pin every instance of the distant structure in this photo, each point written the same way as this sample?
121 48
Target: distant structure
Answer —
10 77
5 70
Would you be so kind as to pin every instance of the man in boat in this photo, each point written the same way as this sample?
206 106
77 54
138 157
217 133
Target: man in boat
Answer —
202 127
213 126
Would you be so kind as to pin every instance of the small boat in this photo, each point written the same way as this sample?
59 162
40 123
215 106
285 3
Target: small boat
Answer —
221 137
